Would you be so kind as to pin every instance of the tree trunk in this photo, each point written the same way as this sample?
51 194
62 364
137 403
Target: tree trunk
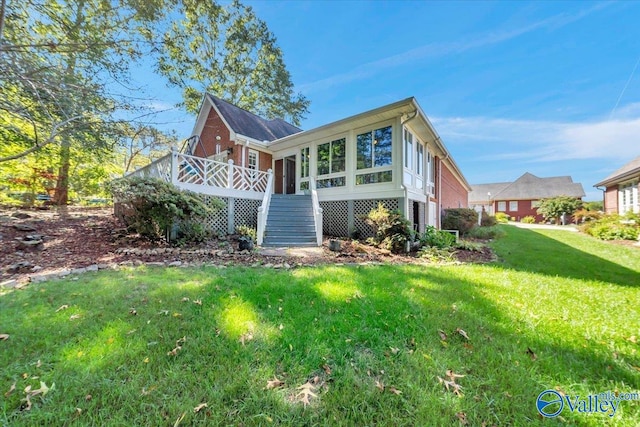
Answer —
61 196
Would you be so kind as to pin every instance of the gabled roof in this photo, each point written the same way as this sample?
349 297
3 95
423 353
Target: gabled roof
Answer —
480 192
248 124
630 170
531 187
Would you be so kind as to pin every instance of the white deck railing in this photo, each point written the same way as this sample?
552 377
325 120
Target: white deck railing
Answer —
317 210
207 176
263 210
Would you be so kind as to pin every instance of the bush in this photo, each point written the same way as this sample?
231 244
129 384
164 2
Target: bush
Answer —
502 217
437 238
246 231
487 220
434 254
468 245
461 219
153 208
584 215
392 230
612 227
486 233
529 219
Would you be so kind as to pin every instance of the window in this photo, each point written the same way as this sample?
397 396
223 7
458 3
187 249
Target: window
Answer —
431 173
513 206
331 182
253 159
304 162
420 159
374 178
628 197
502 206
331 157
374 148
408 149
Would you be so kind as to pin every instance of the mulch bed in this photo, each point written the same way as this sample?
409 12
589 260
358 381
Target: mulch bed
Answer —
75 238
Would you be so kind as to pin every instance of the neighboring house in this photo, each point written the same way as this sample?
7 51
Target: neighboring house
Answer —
390 155
522 197
621 189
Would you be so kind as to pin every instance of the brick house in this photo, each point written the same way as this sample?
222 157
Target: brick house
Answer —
621 189
522 197
316 182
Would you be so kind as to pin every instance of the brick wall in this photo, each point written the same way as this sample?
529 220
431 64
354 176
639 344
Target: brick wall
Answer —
611 200
453 193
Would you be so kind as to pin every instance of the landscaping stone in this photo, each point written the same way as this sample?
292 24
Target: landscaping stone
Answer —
20 215
175 264
12 283
19 267
24 227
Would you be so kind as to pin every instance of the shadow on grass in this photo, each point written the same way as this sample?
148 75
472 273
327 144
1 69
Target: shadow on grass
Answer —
531 251
350 326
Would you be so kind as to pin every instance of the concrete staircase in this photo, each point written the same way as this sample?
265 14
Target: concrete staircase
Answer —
290 221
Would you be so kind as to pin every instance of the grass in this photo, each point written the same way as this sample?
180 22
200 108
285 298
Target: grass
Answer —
559 311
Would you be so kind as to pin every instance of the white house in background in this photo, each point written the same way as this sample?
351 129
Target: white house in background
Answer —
390 155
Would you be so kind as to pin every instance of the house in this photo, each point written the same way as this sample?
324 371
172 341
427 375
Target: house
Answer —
522 197
294 186
621 189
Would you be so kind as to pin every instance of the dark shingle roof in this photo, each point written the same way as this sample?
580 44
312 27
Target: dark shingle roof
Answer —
630 168
248 124
531 187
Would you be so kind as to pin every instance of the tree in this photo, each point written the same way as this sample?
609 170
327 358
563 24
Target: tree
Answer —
554 208
58 59
229 52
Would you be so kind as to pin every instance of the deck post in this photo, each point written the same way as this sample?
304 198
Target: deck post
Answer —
230 174
174 167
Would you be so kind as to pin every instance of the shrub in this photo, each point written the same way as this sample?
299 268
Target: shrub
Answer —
461 219
153 207
469 246
529 219
246 231
392 230
486 233
612 227
437 238
487 220
553 208
584 215
502 217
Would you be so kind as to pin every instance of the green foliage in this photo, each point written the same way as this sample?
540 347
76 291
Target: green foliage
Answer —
529 219
487 220
584 215
553 208
151 207
437 255
613 227
468 245
246 231
593 206
486 233
461 219
392 230
433 237
502 217
228 51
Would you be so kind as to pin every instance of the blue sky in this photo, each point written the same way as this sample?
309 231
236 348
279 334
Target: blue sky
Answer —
547 87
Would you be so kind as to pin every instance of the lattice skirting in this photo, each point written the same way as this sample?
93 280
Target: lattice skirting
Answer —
235 212
341 218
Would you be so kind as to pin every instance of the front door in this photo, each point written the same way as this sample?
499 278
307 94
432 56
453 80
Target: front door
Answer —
290 175
279 176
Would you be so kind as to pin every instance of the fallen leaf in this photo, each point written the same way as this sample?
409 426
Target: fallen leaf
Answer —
74 317
88 397
395 391
467 346
380 385
38 363
179 420
197 301
531 354
177 315
451 386
4 337
62 307
133 312
185 299
452 375
199 408
247 336
327 369
181 341
274 383
146 360
463 333
27 404
633 339
443 336
306 393
394 350
281 327
11 390
462 417
175 351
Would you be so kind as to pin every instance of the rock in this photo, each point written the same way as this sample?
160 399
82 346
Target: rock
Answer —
93 267
20 215
103 266
24 227
155 264
9 284
36 268
175 264
268 265
30 244
78 270
33 237
286 265
278 266
19 266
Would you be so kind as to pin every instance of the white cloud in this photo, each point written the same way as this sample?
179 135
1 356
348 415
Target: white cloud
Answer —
432 50
544 141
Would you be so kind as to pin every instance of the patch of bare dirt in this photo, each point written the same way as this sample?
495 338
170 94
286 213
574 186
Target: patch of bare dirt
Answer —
77 238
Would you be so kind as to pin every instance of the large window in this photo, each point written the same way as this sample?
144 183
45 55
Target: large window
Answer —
513 206
628 197
374 148
420 159
502 206
431 173
408 149
331 157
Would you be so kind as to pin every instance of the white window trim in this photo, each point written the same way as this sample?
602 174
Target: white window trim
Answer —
371 128
257 158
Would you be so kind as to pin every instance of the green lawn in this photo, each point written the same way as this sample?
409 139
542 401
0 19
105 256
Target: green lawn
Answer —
148 346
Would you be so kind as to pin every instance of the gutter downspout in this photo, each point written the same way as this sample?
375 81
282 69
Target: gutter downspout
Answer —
604 199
